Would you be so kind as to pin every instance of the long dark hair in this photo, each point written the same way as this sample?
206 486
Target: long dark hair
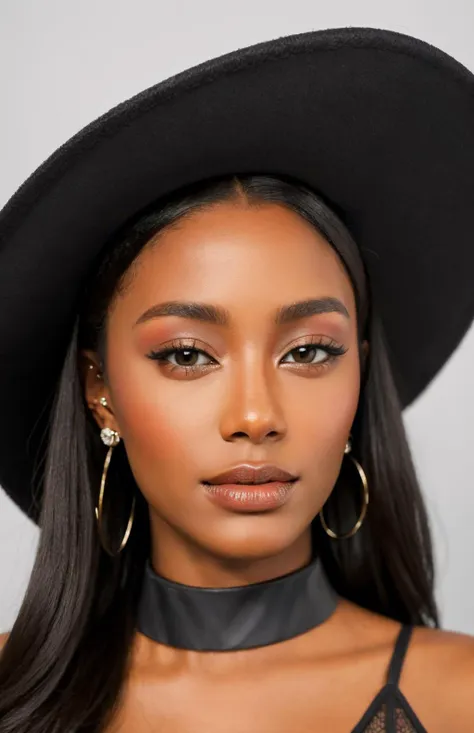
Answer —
64 665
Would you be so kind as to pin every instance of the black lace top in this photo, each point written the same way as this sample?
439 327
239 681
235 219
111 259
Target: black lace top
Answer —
390 711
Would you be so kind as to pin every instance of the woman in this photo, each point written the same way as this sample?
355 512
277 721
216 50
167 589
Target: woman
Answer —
205 397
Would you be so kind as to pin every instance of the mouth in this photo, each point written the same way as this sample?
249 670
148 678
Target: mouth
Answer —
250 497
248 488
251 488
251 474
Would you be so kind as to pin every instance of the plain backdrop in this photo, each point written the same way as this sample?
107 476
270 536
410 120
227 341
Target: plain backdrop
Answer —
63 63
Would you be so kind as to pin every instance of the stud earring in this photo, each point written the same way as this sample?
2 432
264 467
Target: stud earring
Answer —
98 375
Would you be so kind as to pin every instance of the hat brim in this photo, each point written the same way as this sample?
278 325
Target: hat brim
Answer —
379 123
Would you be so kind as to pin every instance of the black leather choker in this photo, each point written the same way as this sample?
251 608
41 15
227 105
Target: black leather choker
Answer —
224 619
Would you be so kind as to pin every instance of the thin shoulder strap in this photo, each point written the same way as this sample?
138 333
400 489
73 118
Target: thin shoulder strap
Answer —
398 656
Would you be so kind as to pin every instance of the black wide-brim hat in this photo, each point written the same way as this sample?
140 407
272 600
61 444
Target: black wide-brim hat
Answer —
378 123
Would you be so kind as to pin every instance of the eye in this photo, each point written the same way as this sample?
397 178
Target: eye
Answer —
315 353
185 357
181 356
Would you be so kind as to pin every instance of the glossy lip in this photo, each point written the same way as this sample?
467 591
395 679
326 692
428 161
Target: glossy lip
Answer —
250 497
248 474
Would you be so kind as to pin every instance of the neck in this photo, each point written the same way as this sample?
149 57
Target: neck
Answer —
235 617
192 565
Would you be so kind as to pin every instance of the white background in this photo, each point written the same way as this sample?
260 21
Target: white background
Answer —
63 63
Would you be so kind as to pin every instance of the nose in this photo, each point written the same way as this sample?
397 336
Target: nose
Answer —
253 408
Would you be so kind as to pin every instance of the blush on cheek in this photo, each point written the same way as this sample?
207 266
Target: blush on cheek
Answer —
325 426
156 452
160 430
151 430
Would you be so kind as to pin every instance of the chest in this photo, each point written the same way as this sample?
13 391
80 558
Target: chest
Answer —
276 704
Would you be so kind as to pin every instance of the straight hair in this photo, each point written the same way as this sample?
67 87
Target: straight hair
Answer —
65 662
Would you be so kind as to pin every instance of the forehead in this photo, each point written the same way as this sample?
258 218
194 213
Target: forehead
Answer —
233 253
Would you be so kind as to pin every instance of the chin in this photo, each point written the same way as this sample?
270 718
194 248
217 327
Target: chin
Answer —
253 537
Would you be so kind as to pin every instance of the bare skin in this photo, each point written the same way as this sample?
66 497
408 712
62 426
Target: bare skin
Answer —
246 400
250 399
320 681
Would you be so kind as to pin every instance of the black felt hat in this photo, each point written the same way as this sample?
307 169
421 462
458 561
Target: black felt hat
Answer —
379 123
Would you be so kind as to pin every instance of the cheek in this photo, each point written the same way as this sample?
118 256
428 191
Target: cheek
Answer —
158 425
325 420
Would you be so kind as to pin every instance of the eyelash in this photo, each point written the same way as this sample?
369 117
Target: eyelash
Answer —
332 349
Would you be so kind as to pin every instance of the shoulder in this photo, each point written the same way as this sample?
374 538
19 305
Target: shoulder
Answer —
3 639
439 671
443 651
437 676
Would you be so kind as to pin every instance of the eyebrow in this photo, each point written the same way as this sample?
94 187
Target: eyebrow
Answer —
220 316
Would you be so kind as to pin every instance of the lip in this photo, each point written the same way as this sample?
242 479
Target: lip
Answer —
251 488
246 473
250 497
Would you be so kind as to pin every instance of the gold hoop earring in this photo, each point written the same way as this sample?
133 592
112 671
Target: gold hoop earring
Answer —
111 438
365 487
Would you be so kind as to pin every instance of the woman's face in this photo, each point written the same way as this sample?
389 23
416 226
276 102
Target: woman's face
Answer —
251 394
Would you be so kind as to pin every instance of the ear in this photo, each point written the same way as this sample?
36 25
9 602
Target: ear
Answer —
94 389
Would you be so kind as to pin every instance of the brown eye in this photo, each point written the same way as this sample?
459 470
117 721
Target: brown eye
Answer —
181 357
306 354
186 357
